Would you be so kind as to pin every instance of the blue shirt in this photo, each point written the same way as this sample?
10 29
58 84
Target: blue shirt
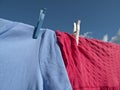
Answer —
27 63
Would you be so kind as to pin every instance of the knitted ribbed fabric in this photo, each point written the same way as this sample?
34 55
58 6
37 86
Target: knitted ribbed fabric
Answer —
92 65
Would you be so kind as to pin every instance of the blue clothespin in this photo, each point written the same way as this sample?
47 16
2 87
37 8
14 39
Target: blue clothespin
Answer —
39 23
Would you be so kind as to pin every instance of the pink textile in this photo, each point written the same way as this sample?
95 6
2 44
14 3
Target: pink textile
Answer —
92 65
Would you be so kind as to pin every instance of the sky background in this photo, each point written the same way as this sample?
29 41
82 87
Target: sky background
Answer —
99 17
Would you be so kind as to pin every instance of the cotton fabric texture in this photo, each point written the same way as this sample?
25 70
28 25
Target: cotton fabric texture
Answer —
92 65
27 63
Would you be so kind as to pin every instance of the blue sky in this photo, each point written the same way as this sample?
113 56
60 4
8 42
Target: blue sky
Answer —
97 16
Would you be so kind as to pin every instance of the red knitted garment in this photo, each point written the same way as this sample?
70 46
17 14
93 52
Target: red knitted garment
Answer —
92 65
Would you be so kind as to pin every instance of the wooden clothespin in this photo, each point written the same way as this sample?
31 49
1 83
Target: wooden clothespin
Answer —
76 31
39 23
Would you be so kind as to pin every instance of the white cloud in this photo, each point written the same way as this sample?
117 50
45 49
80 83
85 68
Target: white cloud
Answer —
116 39
87 35
105 38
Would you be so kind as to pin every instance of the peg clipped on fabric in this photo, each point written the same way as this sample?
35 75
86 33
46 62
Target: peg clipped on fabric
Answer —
76 31
39 23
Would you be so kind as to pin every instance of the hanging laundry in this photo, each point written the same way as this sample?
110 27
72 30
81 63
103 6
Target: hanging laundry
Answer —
52 66
27 63
92 65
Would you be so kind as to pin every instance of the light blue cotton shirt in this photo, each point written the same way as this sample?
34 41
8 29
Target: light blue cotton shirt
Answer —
27 63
